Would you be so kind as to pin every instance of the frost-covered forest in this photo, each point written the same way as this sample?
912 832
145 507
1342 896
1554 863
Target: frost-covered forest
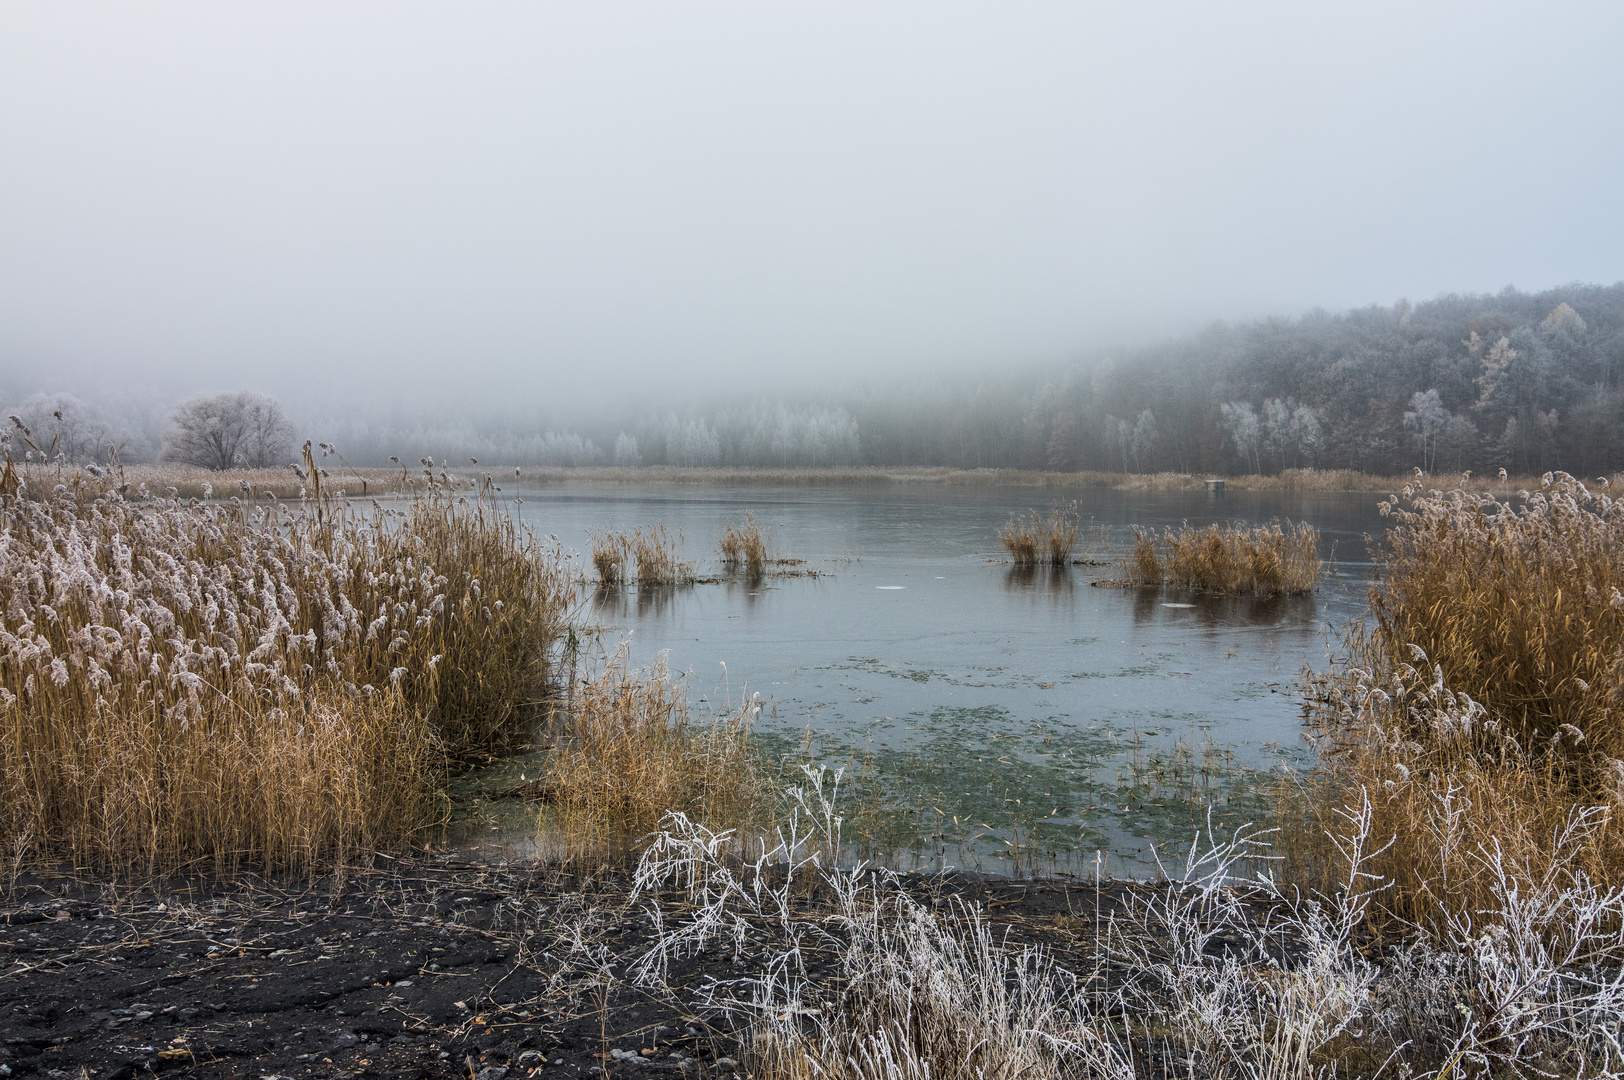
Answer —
1521 381
1527 382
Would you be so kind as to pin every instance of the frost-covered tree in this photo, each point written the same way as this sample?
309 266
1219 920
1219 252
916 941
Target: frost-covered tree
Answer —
1291 431
223 431
692 443
1428 418
1118 437
1241 428
626 450
1142 443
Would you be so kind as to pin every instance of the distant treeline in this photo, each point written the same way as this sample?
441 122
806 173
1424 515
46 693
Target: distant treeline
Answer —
1522 381
1527 382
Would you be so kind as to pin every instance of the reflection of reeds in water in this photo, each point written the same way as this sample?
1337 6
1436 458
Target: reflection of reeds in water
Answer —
1056 582
263 685
1268 560
742 546
1032 540
647 556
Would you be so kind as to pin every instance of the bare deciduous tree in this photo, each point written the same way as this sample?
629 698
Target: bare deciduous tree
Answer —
220 431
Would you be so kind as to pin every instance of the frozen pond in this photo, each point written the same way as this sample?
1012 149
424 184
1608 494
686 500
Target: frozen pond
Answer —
988 718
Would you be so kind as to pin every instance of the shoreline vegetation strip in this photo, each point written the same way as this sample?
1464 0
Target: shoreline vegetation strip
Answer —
187 482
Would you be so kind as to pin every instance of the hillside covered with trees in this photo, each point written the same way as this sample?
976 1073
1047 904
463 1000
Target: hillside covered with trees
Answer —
1521 381
1527 382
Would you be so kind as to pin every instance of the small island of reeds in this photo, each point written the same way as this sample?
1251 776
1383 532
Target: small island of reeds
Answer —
1268 560
1034 540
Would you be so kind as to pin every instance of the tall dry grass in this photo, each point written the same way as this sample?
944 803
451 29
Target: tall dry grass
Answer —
1267 560
611 557
1482 709
742 546
170 481
655 552
647 556
1033 540
1519 604
268 684
627 752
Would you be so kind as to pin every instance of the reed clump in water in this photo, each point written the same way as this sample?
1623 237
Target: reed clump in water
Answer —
1267 561
611 557
1481 711
743 547
1033 540
655 552
647 556
628 752
273 685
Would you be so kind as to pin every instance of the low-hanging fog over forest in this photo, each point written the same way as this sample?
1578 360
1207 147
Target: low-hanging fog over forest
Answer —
1521 381
1061 236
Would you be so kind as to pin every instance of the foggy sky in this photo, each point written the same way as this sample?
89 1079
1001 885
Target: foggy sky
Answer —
550 204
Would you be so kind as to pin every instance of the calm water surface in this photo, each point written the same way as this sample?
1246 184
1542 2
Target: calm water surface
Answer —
988 718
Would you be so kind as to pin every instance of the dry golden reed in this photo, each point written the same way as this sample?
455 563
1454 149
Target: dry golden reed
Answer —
1033 540
655 552
627 752
1480 712
611 557
237 683
1229 559
742 546
647 556
1521 607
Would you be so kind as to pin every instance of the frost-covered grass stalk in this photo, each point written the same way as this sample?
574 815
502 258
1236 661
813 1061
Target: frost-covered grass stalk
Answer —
251 680
1217 974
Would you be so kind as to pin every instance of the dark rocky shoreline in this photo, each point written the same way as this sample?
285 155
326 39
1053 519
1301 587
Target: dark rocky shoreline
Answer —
420 967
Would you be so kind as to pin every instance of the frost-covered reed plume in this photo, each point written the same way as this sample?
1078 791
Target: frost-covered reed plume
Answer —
234 682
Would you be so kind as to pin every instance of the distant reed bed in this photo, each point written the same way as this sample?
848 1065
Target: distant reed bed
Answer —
1033 540
1300 480
1269 560
193 482
1482 710
238 682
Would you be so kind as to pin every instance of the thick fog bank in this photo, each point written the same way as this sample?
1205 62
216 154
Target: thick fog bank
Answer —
1522 381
